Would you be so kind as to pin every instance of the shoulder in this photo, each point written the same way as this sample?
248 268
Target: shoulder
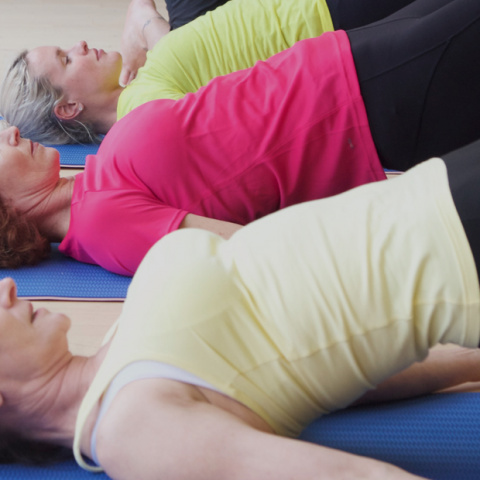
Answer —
145 413
166 429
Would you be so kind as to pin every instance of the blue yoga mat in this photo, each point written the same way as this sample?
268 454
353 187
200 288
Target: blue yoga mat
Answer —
73 156
67 470
436 436
63 278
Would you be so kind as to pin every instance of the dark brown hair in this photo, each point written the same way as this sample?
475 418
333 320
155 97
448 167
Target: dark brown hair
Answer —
21 243
15 449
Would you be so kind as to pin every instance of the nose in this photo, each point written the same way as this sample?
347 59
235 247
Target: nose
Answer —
10 135
8 292
80 48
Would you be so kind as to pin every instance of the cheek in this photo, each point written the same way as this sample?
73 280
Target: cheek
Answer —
19 357
77 79
10 189
11 161
76 87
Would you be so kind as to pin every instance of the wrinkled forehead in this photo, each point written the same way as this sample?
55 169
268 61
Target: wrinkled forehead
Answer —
41 59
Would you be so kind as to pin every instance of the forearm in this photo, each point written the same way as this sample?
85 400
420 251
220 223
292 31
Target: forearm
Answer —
154 29
445 367
144 27
224 229
283 459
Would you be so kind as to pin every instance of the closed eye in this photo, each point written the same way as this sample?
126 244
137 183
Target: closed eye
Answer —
62 57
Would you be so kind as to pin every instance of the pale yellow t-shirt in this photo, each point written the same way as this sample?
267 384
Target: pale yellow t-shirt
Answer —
301 312
230 38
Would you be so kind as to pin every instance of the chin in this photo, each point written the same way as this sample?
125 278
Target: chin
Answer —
54 156
114 57
53 153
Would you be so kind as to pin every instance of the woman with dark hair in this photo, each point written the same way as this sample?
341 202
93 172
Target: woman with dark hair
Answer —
310 122
226 349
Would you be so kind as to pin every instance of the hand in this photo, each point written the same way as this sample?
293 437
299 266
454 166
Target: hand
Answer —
144 26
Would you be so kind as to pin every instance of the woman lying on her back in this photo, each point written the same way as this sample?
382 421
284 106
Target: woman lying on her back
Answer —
66 96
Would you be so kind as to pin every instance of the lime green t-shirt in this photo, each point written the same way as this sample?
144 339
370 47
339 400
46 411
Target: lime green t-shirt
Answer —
230 38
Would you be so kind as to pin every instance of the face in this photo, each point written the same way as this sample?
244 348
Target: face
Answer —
32 343
84 74
28 171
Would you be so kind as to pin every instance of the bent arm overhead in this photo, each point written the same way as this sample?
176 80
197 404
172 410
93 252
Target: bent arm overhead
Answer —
232 37
144 27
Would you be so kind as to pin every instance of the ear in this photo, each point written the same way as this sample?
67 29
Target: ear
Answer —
1 399
68 110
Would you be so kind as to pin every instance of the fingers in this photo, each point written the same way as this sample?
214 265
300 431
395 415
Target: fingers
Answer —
130 68
126 76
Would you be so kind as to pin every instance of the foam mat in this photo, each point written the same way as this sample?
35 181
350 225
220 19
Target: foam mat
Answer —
73 156
436 436
63 278
67 470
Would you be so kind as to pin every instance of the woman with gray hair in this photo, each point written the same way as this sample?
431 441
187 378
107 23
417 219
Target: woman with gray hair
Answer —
65 96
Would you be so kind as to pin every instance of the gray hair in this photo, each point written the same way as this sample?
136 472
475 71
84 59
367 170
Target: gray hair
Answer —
28 103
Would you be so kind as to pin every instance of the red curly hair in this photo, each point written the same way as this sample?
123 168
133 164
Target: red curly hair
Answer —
21 243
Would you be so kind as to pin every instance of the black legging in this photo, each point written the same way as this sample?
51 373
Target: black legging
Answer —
181 12
345 14
348 14
419 74
463 167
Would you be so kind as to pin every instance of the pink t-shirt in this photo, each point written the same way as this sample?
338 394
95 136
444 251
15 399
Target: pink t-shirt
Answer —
288 130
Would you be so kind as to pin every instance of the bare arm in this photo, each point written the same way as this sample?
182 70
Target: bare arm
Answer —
446 366
224 229
144 27
181 439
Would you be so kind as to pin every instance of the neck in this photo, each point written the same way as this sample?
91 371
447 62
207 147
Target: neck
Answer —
104 115
51 412
52 213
